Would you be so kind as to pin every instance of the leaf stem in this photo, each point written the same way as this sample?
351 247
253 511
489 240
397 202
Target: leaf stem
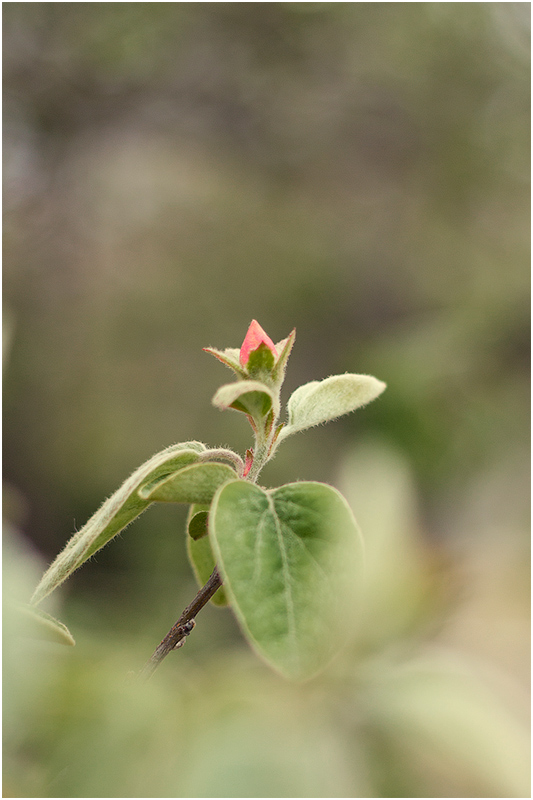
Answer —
176 635
226 455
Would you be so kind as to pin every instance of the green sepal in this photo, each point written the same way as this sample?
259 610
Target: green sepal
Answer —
260 363
321 401
115 514
201 556
42 625
251 397
193 484
284 349
291 561
230 358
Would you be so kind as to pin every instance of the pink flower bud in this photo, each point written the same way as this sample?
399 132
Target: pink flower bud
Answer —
248 463
252 340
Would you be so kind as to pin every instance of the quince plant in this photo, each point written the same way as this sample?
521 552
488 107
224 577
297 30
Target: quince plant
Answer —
287 560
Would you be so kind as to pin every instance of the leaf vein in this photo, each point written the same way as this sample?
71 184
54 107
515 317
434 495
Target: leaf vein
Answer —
257 546
286 577
308 551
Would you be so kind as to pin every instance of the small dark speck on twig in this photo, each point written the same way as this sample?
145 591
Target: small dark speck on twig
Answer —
182 628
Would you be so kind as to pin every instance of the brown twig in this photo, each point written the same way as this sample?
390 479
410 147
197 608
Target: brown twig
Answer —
176 635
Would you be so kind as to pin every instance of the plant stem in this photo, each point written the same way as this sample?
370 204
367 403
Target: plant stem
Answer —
176 635
263 442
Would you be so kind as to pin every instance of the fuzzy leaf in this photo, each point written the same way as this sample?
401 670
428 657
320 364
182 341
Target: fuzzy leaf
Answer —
284 349
197 521
43 625
201 556
250 397
229 357
322 401
193 484
290 559
115 514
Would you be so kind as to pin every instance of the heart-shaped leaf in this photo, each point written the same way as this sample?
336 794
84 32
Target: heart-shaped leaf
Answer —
194 484
115 514
322 401
290 559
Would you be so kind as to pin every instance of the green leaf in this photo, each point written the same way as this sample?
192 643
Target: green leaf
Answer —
251 397
197 521
44 626
201 556
322 401
194 484
290 559
115 514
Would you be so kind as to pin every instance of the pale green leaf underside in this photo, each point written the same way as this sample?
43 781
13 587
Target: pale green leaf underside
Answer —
115 514
290 560
322 401
194 484
202 560
250 397
43 625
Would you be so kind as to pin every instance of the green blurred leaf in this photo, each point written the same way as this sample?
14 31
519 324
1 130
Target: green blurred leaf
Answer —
115 514
290 559
43 625
434 710
322 401
194 484
404 583
250 397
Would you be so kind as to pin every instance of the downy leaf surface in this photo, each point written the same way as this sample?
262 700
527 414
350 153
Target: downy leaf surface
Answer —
193 484
291 561
115 514
322 401
251 397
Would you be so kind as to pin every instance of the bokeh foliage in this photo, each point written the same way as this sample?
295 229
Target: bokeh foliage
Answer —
359 171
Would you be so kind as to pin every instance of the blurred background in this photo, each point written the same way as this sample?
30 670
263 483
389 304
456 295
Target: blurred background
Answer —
359 171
